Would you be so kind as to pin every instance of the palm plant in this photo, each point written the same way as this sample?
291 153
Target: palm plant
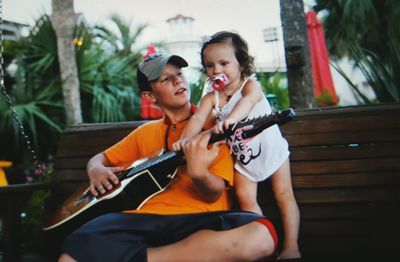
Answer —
108 90
107 64
123 40
107 80
359 29
35 96
108 87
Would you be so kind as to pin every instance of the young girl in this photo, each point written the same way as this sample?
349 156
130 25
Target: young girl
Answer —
236 96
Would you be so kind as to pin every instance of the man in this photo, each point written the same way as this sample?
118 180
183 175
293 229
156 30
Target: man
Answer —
188 221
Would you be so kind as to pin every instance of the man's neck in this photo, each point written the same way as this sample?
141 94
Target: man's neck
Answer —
174 116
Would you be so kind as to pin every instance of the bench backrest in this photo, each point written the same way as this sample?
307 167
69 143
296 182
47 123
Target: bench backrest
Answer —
345 166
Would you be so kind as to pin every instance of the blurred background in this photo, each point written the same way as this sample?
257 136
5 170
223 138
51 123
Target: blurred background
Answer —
361 39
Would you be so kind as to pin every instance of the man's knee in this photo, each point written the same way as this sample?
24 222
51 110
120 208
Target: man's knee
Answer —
64 257
259 244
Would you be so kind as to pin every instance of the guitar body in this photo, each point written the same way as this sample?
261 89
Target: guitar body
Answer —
132 192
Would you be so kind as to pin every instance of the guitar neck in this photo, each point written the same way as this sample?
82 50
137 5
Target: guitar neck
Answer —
152 162
250 128
256 126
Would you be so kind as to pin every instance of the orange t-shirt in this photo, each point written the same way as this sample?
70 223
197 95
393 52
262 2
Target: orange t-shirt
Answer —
180 196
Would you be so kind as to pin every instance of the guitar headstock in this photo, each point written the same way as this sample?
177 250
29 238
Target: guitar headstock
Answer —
254 126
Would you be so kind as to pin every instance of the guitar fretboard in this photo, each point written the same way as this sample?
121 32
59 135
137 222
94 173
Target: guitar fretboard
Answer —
170 155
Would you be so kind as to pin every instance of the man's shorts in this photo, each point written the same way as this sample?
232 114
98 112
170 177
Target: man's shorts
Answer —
126 237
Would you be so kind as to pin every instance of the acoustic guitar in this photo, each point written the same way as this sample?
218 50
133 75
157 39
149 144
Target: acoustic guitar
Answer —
144 180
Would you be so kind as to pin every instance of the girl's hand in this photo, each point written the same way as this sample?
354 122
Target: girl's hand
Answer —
220 127
178 145
228 122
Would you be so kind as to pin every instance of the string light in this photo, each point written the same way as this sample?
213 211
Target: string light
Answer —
14 114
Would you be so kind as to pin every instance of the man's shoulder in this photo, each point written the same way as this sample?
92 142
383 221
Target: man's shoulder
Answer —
151 124
146 130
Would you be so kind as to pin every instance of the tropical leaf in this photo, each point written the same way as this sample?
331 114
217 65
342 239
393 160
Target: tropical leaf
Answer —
276 85
376 73
355 88
359 29
123 38
196 90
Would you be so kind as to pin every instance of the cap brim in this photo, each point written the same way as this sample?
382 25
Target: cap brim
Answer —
178 61
173 59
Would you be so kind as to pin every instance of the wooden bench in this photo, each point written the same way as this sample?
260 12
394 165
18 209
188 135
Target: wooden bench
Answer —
345 170
345 166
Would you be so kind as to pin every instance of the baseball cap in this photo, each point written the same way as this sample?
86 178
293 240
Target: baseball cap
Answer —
152 67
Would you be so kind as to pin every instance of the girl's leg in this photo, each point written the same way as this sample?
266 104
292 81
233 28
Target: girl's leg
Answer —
246 192
290 216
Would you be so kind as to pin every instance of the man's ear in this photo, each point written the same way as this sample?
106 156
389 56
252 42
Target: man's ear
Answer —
149 96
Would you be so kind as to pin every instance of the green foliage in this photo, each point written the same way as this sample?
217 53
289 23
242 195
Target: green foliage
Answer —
107 64
361 98
377 74
325 99
34 91
107 81
367 31
122 40
275 84
108 87
196 90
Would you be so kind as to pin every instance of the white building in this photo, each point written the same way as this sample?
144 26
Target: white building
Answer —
184 40
13 30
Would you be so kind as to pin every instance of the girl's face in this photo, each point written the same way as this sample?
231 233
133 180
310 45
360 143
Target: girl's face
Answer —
219 58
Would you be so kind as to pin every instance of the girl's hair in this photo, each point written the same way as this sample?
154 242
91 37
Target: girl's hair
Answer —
241 50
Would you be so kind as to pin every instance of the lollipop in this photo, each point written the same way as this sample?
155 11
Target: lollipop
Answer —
219 81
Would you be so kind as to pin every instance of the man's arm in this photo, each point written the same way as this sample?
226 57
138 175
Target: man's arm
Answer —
101 174
198 160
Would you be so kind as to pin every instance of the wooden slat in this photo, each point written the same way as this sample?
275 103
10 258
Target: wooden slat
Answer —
340 124
347 180
78 151
344 138
71 163
354 151
349 248
101 127
345 228
353 211
347 195
85 139
379 109
349 213
339 196
345 166
70 175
